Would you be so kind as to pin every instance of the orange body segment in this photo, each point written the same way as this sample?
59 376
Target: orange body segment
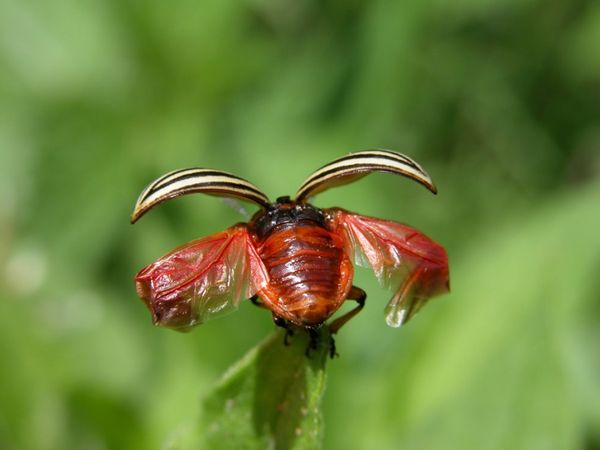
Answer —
310 273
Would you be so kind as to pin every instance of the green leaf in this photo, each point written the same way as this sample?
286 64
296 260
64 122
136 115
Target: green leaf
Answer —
270 399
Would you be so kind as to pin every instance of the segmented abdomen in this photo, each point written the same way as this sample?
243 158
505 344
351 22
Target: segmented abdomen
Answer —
310 273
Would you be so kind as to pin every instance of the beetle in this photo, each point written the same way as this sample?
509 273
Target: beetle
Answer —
291 258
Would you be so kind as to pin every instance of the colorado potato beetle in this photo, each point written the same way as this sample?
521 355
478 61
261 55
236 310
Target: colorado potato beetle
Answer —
291 258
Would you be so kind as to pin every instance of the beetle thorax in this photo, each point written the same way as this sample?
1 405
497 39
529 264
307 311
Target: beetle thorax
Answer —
285 212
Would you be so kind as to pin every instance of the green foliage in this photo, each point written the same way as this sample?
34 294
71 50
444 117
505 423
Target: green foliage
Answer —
498 100
510 359
270 399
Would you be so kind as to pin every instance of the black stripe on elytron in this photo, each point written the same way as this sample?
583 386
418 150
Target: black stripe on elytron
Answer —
333 170
216 185
368 153
212 173
396 155
352 171
160 183
356 156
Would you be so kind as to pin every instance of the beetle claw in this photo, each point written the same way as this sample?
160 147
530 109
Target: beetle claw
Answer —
313 341
286 338
307 351
332 351
282 323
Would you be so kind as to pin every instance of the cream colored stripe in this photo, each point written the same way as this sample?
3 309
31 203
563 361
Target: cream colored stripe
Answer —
190 183
169 186
366 158
392 154
351 166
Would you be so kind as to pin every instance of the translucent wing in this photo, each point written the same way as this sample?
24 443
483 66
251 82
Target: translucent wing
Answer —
202 279
402 258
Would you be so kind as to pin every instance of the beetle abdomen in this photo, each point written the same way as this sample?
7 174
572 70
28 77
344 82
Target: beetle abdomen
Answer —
310 273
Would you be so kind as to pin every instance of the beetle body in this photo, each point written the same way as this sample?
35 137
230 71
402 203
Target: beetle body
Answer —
298 259
309 270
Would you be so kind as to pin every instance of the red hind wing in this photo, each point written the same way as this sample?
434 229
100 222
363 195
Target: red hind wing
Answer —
203 279
403 259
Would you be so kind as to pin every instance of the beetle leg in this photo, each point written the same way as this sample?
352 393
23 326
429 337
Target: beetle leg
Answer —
286 338
360 297
332 352
257 302
313 340
281 322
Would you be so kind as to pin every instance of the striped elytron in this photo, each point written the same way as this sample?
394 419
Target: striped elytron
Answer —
291 258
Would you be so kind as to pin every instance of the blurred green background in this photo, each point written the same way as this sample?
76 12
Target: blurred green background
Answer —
498 100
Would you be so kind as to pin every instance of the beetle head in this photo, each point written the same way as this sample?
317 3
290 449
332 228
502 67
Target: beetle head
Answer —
285 211
282 200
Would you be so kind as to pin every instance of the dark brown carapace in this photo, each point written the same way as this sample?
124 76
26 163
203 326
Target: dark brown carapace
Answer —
291 258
